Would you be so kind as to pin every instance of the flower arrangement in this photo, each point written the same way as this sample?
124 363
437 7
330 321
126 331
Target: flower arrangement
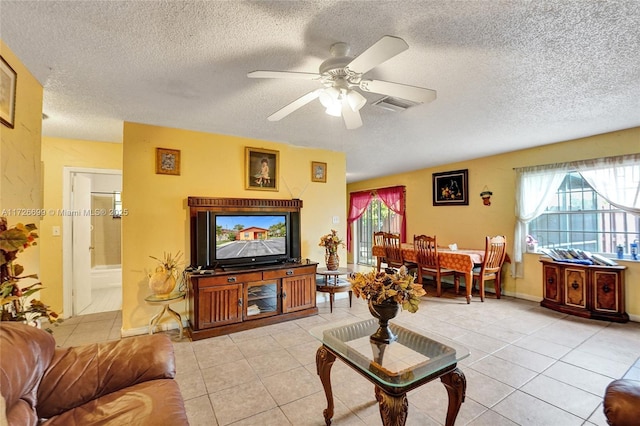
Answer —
331 241
377 287
14 303
530 240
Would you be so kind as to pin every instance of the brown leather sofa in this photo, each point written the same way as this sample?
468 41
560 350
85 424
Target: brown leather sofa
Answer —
128 381
622 403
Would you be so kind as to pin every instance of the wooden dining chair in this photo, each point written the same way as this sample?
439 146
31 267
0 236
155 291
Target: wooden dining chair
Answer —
426 249
393 252
494 254
378 240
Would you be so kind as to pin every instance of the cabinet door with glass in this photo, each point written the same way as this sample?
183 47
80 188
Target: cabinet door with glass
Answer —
262 299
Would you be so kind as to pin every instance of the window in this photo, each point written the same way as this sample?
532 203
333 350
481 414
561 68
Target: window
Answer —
580 218
377 217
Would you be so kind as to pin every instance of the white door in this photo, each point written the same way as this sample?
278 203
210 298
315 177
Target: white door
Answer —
81 202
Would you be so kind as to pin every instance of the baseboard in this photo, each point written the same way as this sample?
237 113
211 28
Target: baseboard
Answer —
523 296
165 326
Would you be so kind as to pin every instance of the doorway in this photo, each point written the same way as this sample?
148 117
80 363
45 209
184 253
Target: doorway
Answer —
92 274
377 217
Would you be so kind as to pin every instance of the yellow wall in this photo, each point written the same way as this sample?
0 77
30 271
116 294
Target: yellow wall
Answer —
57 154
468 225
20 165
21 183
211 166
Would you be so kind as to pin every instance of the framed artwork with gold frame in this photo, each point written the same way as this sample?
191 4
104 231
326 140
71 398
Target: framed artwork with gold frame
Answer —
167 161
8 80
318 171
261 169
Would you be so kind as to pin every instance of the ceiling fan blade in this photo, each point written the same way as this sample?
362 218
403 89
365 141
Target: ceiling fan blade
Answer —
404 91
298 103
284 74
351 118
383 50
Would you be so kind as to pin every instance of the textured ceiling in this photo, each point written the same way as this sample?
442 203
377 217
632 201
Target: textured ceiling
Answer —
509 74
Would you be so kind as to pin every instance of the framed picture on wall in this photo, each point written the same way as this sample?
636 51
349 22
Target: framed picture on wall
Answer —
318 171
8 79
167 161
261 169
451 188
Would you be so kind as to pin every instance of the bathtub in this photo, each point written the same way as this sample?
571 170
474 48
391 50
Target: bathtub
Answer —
106 276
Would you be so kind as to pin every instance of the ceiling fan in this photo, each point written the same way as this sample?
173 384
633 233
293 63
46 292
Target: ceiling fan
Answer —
341 75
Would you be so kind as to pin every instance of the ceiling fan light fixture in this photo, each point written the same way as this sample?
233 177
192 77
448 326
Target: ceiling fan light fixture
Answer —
334 109
356 100
329 96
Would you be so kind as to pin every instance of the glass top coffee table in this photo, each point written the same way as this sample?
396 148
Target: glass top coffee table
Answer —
414 359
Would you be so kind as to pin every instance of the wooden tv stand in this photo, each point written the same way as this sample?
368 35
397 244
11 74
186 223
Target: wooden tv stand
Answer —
229 301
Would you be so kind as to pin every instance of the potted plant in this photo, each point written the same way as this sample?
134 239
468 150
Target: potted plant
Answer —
386 293
163 280
16 302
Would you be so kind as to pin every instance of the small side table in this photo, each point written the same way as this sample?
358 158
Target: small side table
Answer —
326 286
165 302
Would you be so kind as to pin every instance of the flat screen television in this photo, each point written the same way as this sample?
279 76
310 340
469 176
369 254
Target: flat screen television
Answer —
241 239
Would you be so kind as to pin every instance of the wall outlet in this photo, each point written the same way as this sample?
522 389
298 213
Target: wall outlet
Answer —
55 231
336 220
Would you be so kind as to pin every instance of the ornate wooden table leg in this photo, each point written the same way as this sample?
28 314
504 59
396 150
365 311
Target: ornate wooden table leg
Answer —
324 362
393 409
456 385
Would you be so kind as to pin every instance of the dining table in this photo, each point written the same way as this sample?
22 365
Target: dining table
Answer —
459 260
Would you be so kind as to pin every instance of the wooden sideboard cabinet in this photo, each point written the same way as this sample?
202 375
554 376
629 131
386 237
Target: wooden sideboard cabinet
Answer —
229 301
589 291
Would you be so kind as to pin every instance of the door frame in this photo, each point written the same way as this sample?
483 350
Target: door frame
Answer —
67 240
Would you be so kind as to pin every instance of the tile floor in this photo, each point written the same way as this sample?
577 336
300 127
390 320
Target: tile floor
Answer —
528 366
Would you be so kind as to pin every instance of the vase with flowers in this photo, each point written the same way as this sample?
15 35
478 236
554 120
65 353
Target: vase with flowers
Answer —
163 281
387 292
16 302
331 242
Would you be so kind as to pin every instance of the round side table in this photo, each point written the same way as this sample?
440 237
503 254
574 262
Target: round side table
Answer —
165 302
326 286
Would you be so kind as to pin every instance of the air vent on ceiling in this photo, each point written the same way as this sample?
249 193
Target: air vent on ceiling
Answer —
394 104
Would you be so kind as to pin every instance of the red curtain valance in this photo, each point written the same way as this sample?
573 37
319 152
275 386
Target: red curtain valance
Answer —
392 197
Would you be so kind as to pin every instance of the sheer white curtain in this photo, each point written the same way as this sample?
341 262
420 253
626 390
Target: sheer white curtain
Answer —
535 187
616 179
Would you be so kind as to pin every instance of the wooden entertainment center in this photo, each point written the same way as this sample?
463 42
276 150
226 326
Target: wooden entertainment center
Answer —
228 300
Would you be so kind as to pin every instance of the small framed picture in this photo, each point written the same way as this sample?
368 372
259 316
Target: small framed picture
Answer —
261 169
451 188
167 161
8 79
318 171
